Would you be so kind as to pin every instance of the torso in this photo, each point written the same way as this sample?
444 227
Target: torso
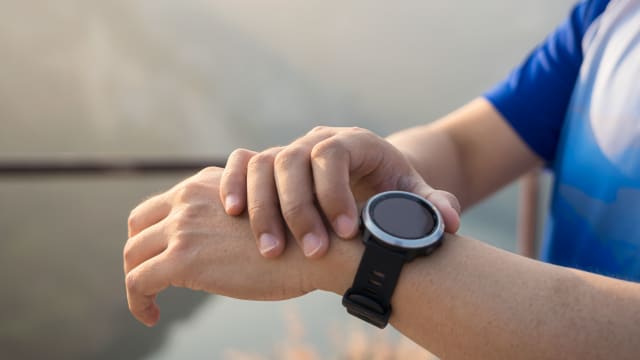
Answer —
595 211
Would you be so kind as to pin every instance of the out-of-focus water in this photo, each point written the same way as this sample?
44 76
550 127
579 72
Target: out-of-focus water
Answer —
200 78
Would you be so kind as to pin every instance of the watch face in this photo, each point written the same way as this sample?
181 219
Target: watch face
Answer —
404 217
403 220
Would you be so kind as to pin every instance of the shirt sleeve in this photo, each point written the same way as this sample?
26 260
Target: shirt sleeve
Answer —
535 95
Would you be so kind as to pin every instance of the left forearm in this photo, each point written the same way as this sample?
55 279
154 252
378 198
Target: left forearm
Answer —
471 300
467 300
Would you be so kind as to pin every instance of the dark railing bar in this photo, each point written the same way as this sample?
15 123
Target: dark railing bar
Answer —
71 167
66 167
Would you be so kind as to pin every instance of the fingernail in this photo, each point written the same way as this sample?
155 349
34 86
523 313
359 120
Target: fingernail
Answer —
454 207
311 244
268 242
343 225
231 201
445 201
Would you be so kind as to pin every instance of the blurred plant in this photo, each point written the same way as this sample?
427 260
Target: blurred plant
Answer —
351 344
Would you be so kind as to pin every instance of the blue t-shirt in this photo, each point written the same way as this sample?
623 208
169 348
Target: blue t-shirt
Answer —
576 102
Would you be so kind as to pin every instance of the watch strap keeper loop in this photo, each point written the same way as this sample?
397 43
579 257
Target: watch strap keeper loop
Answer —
369 298
366 309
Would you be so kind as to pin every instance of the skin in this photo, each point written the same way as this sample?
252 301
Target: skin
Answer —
345 166
338 167
467 300
471 152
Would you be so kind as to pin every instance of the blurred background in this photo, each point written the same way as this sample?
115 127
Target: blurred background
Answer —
191 79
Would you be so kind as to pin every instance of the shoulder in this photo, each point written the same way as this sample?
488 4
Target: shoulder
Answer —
535 96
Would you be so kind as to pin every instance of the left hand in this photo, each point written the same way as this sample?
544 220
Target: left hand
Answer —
184 238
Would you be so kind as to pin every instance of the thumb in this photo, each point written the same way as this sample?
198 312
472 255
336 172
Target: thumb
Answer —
444 201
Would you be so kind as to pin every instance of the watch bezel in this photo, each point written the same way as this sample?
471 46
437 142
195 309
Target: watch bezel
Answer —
403 243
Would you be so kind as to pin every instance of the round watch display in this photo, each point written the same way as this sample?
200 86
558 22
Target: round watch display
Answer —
402 219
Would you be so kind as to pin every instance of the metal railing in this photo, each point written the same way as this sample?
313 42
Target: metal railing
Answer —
527 202
85 166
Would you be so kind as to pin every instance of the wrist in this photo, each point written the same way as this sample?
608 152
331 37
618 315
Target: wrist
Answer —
336 270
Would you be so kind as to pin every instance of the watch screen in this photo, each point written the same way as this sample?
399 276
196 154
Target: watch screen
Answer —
403 217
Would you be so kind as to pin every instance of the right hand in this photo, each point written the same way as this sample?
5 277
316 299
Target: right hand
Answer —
324 174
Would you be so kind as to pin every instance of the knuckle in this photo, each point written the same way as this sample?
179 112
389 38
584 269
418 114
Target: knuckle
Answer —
241 153
192 191
190 217
210 174
133 220
209 170
182 242
294 213
127 254
318 129
236 165
265 158
194 212
185 245
289 156
327 148
132 282
356 131
259 208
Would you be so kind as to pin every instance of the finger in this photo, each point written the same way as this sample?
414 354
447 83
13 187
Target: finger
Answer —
144 283
445 202
449 207
233 184
294 184
144 245
330 166
148 213
262 204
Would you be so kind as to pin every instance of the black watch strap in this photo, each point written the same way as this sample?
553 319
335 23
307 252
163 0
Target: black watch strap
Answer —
369 298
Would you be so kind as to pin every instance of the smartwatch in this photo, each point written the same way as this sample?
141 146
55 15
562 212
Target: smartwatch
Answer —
397 227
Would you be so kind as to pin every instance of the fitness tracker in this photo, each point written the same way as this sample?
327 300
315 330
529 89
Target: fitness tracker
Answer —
397 227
